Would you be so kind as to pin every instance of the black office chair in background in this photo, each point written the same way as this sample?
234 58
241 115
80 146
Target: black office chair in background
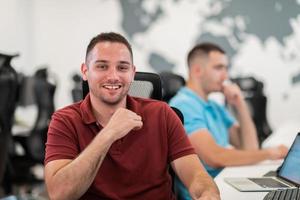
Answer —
77 88
33 143
44 96
171 83
257 102
8 102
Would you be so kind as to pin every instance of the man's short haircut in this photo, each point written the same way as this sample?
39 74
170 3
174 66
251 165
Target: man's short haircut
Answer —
202 49
108 37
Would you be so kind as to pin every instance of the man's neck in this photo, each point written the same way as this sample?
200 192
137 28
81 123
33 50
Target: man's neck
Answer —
197 88
103 111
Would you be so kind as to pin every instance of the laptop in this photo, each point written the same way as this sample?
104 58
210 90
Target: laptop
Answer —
288 175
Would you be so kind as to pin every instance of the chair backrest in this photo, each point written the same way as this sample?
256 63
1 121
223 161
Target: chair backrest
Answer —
8 91
39 91
171 83
77 88
257 103
44 97
145 84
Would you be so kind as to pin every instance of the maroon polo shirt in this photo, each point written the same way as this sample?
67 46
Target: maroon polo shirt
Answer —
136 166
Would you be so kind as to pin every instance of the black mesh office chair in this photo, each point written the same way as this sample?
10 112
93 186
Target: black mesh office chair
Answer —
33 143
257 102
8 91
171 83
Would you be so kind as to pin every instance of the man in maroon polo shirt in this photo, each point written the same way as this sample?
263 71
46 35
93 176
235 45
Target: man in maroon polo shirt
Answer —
113 146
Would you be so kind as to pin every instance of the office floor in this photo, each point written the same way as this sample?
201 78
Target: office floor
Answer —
28 191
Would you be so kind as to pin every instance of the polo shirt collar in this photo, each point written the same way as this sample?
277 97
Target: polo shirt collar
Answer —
87 114
195 96
131 104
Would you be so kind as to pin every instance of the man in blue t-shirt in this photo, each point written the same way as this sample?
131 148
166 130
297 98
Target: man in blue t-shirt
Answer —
218 138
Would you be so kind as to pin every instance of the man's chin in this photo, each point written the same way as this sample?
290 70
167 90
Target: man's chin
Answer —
112 101
111 98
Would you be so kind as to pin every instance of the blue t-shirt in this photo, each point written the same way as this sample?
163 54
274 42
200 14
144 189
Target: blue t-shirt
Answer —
200 114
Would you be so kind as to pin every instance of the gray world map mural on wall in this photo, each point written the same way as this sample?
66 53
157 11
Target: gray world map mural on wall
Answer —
135 18
264 19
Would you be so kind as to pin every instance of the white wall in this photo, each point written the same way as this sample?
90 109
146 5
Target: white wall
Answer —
56 33
16 31
62 30
53 33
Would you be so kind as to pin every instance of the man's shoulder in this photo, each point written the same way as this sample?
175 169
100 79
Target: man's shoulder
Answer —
146 105
148 101
181 98
69 110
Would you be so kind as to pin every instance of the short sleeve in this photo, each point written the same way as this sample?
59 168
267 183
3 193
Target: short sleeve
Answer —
194 118
227 117
192 110
178 142
61 140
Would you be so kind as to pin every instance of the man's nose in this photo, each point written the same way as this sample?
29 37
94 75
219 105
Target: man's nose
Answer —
225 75
113 73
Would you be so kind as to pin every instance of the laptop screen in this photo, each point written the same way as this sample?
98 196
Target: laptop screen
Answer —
290 167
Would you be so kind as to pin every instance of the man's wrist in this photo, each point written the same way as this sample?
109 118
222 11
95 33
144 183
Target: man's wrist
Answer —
213 194
268 153
107 135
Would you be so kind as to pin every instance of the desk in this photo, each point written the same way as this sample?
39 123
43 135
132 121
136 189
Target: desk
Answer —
284 135
230 193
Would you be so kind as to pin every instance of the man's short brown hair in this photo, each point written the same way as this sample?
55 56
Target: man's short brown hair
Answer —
108 37
202 49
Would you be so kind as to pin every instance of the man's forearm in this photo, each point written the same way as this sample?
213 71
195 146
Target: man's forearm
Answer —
72 180
202 186
194 176
234 157
247 130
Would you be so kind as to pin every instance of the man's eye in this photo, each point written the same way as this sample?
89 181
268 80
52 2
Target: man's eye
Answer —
220 67
101 66
123 67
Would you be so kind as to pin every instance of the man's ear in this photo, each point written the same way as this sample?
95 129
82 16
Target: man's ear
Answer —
134 71
196 69
84 71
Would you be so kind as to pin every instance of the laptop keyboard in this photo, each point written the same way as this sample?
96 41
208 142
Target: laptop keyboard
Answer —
285 194
268 183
